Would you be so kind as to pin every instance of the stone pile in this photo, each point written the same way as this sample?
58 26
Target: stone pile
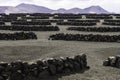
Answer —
98 16
18 36
21 70
85 37
77 23
30 28
112 22
95 29
113 61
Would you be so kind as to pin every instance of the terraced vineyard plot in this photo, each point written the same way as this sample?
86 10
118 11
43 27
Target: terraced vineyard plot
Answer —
77 23
30 28
17 36
82 37
42 48
95 29
112 22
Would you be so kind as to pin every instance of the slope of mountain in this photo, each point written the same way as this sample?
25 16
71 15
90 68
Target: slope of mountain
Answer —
74 10
14 10
61 10
95 9
30 8
4 8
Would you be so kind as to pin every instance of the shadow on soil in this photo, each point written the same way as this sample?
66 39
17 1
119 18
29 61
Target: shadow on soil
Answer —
57 76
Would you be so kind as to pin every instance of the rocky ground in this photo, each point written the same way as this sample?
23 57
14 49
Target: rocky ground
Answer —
97 52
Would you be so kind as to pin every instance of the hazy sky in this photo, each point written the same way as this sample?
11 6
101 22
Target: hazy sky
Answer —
110 5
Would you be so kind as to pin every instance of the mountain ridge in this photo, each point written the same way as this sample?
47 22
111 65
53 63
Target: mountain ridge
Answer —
31 8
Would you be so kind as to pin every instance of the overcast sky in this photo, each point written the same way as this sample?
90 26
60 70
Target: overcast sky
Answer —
110 5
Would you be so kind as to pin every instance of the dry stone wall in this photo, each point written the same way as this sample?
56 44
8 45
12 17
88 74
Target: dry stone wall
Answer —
21 70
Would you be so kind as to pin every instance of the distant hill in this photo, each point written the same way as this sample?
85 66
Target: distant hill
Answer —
95 9
30 8
4 8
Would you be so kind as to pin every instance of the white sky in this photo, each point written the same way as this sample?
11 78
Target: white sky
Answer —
110 5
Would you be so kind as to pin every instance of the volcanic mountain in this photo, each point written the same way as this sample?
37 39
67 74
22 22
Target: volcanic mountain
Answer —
31 8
